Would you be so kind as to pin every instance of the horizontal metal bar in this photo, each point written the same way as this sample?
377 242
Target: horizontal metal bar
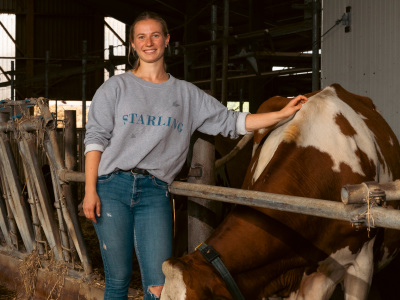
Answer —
26 125
67 176
269 73
18 102
381 217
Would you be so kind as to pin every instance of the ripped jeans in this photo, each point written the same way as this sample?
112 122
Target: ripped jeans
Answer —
135 212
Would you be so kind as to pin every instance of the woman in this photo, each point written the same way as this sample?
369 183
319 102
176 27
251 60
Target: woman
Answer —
137 139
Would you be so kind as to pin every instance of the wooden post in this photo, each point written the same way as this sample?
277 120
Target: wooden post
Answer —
70 148
203 214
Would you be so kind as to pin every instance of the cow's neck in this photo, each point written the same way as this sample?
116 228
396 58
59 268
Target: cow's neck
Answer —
235 241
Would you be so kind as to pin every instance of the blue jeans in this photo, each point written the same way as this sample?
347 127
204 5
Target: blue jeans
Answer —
135 211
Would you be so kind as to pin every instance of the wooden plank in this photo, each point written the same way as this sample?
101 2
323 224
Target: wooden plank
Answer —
18 204
27 149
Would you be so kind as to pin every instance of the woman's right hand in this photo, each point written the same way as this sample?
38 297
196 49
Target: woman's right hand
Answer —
91 206
91 202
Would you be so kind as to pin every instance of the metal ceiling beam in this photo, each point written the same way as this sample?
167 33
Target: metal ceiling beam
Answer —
263 74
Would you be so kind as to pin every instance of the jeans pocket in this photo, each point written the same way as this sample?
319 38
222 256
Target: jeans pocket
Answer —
105 178
159 183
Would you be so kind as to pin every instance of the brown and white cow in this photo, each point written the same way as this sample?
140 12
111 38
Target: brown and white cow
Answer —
336 139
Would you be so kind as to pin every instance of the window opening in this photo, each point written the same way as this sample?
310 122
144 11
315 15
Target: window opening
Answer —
114 39
7 53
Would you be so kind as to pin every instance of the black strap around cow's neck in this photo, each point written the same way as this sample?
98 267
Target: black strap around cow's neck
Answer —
212 256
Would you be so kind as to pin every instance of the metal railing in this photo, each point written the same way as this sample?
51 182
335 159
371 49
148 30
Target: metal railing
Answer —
27 210
347 210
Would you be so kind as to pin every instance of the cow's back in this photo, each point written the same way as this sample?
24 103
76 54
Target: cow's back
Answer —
348 133
337 138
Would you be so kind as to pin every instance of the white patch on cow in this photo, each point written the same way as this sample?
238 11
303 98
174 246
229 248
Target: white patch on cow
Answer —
356 269
391 141
359 274
321 284
255 145
384 173
261 131
315 126
362 116
253 166
267 151
174 286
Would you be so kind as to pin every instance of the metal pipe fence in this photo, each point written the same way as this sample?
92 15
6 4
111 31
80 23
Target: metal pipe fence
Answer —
31 218
378 216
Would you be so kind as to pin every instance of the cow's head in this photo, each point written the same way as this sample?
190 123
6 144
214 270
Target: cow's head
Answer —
183 283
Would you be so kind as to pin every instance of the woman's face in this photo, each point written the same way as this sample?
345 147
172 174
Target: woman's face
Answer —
149 41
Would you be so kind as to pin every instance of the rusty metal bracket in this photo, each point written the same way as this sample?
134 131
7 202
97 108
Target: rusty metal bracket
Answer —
196 171
360 193
373 196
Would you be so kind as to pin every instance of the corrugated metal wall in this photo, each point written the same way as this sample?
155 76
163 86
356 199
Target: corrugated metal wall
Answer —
9 6
59 27
365 60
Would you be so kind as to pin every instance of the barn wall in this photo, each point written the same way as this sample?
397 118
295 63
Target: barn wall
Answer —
59 27
365 60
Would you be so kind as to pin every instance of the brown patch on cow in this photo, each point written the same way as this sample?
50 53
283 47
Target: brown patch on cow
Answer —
378 126
263 281
368 165
344 125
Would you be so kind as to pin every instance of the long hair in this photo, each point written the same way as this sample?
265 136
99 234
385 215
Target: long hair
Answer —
146 15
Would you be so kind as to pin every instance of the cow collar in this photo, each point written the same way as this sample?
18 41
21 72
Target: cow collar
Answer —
212 256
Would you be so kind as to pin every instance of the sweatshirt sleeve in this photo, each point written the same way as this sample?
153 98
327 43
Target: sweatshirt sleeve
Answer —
101 118
214 118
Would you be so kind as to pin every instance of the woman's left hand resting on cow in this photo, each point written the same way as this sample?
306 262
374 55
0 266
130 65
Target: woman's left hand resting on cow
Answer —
263 120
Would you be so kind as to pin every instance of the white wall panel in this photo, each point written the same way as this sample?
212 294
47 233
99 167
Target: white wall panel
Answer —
366 60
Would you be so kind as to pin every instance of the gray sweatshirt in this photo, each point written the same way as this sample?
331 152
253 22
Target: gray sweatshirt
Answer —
136 123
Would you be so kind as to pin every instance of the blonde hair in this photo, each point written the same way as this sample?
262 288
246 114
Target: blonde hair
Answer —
146 15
